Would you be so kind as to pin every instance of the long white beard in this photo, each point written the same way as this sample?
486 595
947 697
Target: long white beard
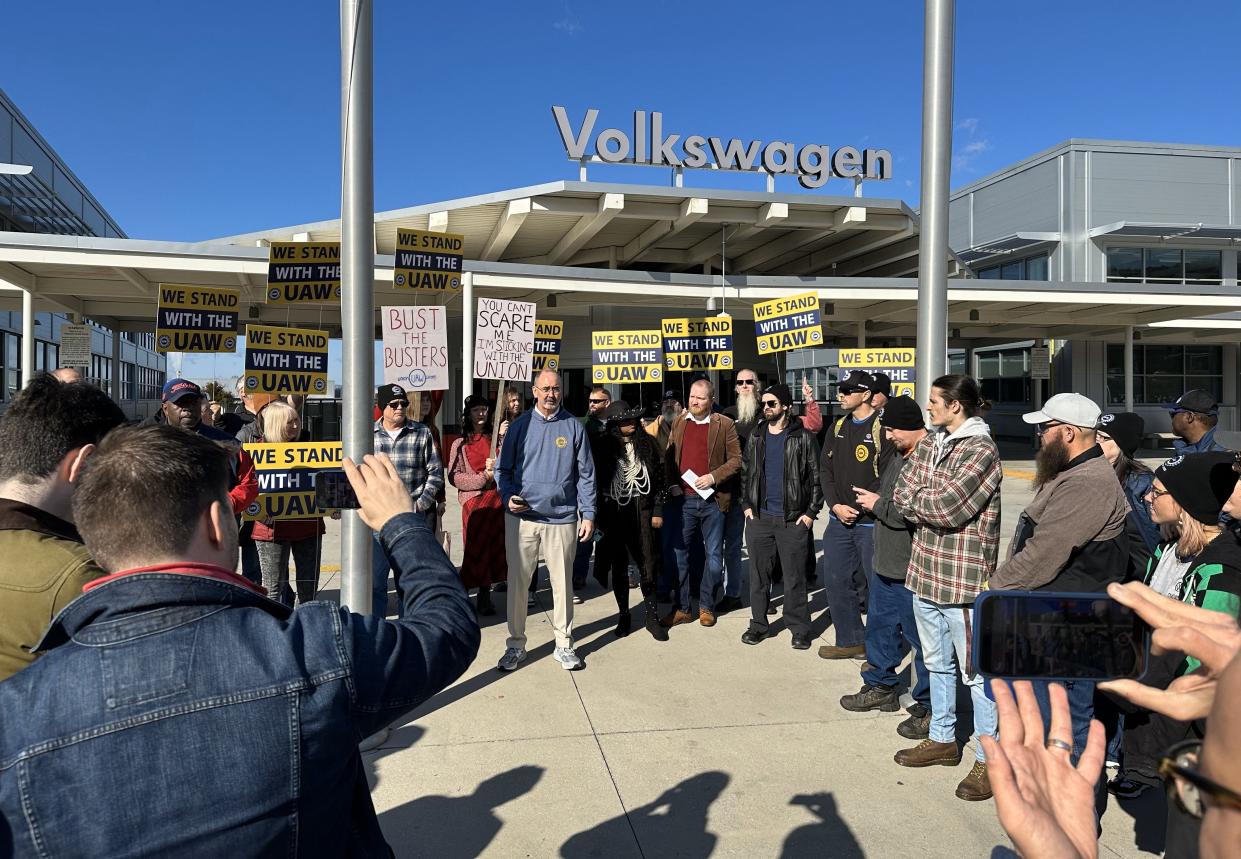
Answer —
747 408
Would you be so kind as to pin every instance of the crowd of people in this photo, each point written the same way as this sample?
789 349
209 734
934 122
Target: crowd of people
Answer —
130 575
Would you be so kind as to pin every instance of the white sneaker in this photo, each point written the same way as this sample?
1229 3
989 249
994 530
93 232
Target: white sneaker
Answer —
577 599
512 657
568 660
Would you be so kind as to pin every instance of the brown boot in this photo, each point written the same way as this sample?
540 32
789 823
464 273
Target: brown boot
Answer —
831 651
929 753
976 786
675 618
706 618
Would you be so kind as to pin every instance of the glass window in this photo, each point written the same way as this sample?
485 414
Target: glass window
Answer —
1013 271
1036 268
1163 265
13 363
26 151
94 219
1204 267
68 192
1004 375
1124 263
6 136
992 273
1163 373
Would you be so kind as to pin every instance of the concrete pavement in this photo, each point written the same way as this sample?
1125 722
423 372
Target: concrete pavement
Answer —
698 747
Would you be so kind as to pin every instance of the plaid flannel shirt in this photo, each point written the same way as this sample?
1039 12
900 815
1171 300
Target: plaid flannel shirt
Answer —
416 460
955 504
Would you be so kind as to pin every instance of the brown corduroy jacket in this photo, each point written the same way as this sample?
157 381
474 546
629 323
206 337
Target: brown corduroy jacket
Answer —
723 455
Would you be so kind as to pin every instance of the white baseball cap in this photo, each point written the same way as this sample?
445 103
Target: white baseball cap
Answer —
1073 409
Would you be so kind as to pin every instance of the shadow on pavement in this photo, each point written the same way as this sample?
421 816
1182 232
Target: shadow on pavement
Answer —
1150 817
456 826
828 836
674 825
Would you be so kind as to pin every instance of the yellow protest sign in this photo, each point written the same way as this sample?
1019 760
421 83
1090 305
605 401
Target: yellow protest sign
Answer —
429 262
303 272
792 322
698 344
626 356
286 475
196 318
896 364
548 335
285 360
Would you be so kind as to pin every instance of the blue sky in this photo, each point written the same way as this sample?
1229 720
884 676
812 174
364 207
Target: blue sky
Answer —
191 121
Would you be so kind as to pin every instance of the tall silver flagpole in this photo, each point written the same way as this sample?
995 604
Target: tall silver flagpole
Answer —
932 357
357 269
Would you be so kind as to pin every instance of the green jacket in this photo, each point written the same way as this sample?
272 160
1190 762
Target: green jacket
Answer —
44 568
1213 581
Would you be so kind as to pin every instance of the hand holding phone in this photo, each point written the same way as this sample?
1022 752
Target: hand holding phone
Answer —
334 492
517 504
380 493
1037 635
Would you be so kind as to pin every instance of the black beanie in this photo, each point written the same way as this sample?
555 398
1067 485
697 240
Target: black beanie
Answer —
1199 482
781 392
1126 429
388 393
902 413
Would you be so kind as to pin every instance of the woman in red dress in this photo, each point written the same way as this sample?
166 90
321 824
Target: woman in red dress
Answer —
471 471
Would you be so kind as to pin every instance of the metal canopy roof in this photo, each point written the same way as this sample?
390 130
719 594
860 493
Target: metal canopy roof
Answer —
114 281
1010 244
652 228
1214 232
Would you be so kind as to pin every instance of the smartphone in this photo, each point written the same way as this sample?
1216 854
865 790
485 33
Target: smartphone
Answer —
1036 635
333 491
519 501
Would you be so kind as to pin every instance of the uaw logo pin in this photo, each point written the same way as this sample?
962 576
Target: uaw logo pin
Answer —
1174 461
561 442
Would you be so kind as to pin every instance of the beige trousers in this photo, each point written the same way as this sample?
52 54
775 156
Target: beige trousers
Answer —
524 542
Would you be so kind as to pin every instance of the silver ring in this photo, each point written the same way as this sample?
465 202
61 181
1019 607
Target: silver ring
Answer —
1053 743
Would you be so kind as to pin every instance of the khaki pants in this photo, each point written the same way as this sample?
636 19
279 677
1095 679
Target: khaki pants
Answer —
524 541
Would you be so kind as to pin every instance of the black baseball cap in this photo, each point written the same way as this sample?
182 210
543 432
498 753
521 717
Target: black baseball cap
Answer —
856 381
883 384
1197 401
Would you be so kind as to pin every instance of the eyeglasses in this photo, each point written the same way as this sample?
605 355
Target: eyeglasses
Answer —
398 404
549 390
770 404
1193 791
750 382
595 402
1156 493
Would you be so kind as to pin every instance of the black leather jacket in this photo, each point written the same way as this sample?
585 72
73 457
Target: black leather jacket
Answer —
802 494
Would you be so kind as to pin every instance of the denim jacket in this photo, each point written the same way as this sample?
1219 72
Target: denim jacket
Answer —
181 713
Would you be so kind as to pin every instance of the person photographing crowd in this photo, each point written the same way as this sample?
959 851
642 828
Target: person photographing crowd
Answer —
177 710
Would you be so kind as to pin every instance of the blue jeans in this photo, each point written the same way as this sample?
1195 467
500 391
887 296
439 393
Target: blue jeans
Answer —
1081 710
889 624
380 567
734 570
700 518
943 631
250 560
669 535
846 548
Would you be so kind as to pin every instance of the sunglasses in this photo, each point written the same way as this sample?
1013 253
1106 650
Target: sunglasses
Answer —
747 382
398 404
595 402
770 404
1044 427
1193 791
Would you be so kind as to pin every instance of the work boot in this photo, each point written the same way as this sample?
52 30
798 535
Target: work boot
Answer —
976 786
918 725
831 651
929 753
883 698
624 624
706 618
676 618
653 626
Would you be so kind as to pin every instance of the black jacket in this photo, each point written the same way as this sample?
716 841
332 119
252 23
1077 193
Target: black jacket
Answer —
802 493
607 451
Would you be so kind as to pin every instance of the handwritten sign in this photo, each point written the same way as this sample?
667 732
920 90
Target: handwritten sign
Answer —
548 335
698 344
627 356
286 475
504 339
303 272
196 319
285 360
415 347
788 323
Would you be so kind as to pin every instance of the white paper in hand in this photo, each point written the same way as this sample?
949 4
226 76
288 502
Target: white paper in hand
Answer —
690 477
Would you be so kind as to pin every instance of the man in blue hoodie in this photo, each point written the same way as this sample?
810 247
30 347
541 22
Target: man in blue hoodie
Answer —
546 478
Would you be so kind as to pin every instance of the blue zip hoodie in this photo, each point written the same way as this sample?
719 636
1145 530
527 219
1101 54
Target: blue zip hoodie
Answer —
547 461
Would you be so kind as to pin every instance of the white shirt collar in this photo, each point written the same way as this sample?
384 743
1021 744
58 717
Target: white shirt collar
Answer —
550 417
705 420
